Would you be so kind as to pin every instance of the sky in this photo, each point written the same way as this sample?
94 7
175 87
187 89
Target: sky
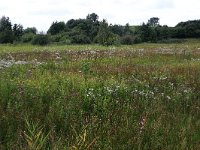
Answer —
41 13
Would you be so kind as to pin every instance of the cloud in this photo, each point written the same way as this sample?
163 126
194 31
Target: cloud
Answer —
164 4
50 12
41 13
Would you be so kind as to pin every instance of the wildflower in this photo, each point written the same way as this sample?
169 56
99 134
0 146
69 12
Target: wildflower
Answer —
58 58
168 97
57 53
109 90
142 123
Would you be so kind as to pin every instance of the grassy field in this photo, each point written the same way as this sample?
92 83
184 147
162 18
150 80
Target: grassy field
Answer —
145 96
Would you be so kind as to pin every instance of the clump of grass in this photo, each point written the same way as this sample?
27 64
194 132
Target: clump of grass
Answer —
34 136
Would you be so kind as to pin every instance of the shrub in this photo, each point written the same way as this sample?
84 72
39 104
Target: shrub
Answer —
6 36
127 40
27 37
55 38
107 39
30 30
60 39
64 40
40 39
56 28
80 39
137 39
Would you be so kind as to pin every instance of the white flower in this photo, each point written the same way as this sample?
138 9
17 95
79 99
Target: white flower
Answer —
168 97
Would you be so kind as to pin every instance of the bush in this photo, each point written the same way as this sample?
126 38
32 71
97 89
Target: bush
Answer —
113 40
137 39
107 39
61 38
127 40
80 39
64 40
40 39
55 38
56 28
27 37
6 36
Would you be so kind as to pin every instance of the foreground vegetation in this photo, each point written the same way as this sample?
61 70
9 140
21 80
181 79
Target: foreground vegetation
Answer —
90 97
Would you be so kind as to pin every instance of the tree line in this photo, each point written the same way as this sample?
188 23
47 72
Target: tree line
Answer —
92 30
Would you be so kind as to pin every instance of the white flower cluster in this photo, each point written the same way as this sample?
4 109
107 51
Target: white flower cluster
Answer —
9 63
160 78
90 93
111 89
195 59
144 93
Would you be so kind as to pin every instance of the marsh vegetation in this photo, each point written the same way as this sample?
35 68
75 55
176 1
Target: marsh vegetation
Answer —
145 96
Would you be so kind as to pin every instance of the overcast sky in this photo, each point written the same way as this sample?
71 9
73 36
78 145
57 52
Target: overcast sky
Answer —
41 13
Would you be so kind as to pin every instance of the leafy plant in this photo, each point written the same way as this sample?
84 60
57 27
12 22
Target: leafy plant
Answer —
40 39
34 135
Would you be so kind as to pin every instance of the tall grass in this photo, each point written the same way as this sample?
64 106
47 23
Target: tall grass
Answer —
142 97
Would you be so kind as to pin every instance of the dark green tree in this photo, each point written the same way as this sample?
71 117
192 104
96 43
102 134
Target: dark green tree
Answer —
78 36
30 30
179 32
40 39
27 37
71 23
105 36
145 32
191 28
6 34
163 32
127 29
127 40
118 29
5 24
154 21
18 31
56 28
79 28
94 17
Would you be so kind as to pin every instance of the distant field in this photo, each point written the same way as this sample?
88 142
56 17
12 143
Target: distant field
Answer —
144 96
4 48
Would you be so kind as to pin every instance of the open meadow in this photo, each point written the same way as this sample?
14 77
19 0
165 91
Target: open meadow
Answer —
144 96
